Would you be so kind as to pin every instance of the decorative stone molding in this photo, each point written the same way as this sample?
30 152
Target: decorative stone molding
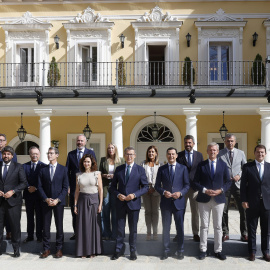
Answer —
220 16
27 35
86 33
266 24
88 16
27 18
156 33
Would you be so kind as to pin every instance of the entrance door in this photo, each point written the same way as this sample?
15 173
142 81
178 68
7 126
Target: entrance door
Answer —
156 64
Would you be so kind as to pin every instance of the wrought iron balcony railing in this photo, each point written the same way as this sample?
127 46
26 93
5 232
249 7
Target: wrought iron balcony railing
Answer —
135 74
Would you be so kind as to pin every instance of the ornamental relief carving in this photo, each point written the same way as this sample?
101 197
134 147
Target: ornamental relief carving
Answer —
156 33
27 35
220 16
88 16
87 33
219 33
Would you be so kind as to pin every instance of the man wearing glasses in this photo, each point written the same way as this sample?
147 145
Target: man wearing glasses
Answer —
128 185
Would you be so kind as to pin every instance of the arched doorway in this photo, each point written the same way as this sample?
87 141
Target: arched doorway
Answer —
141 137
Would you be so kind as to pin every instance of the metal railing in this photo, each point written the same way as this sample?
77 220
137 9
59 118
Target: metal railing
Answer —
135 74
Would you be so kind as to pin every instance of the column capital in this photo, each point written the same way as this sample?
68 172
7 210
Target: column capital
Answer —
264 111
44 112
116 111
191 111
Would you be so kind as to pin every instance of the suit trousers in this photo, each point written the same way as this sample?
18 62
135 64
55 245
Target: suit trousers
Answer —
166 214
191 196
151 205
225 219
205 210
253 214
71 204
58 212
133 217
13 215
33 208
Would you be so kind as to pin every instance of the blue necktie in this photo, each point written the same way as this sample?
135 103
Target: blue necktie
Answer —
171 173
51 173
79 157
5 173
212 170
260 171
189 160
127 174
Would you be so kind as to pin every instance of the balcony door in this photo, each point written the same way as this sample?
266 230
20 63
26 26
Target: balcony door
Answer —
26 67
220 66
89 73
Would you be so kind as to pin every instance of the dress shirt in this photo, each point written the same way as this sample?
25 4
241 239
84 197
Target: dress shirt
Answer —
258 166
3 166
190 155
78 152
173 168
215 166
32 164
131 165
54 167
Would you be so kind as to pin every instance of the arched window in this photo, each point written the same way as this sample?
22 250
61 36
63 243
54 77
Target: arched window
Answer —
164 134
23 147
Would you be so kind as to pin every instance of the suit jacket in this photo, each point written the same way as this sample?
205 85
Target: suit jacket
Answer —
203 179
239 159
73 167
197 158
252 188
104 169
32 178
137 184
57 188
15 180
179 183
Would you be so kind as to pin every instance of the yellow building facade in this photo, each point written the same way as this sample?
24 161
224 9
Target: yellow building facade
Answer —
188 97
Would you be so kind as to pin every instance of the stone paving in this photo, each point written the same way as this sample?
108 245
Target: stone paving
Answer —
236 252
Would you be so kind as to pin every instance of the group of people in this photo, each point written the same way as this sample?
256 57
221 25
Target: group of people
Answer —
101 199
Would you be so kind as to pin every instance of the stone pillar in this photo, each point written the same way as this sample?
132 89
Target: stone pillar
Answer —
265 130
44 133
191 120
117 128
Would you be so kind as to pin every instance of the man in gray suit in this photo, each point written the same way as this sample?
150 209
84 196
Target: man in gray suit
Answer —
235 159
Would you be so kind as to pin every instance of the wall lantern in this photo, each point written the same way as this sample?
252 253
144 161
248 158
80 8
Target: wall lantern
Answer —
223 130
55 143
188 37
87 130
21 131
255 38
56 41
122 39
155 129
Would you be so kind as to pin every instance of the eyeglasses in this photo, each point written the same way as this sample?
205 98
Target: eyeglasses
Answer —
129 155
2 141
50 154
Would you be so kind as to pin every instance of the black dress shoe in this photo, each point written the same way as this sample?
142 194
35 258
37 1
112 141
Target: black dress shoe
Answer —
196 238
16 253
164 256
39 240
133 256
179 255
202 255
28 239
251 257
266 257
73 237
175 239
118 254
220 256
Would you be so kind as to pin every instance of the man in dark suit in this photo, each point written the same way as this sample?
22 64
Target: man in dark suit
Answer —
129 184
12 183
255 195
172 184
72 165
32 199
212 180
191 158
53 188
3 142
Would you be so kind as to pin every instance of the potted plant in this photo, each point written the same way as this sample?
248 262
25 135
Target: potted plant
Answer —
121 71
258 70
187 72
53 76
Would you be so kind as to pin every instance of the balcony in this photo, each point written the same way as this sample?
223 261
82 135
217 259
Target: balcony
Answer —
176 76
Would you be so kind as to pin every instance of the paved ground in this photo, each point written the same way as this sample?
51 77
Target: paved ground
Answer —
148 252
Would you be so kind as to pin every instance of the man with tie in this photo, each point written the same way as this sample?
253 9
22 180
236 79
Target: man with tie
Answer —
3 142
234 159
191 158
128 185
73 167
53 188
12 183
212 180
31 197
255 195
172 184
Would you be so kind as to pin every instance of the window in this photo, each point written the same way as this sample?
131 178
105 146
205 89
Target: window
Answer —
23 147
89 64
27 69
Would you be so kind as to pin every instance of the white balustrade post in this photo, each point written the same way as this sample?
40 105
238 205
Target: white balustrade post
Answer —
44 133
191 122
117 128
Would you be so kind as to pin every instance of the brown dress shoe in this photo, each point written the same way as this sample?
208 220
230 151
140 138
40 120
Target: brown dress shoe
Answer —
251 257
225 238
8 236
45 254
266 257
59 254
244 238
196 238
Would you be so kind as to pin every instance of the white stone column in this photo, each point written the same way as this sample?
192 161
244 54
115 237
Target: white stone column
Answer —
44 133
117 128
265 130
191 122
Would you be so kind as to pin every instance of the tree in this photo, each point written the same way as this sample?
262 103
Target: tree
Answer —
258 70
121 71
187 72
53 76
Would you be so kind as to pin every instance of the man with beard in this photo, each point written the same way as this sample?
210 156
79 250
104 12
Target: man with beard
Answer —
72 165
